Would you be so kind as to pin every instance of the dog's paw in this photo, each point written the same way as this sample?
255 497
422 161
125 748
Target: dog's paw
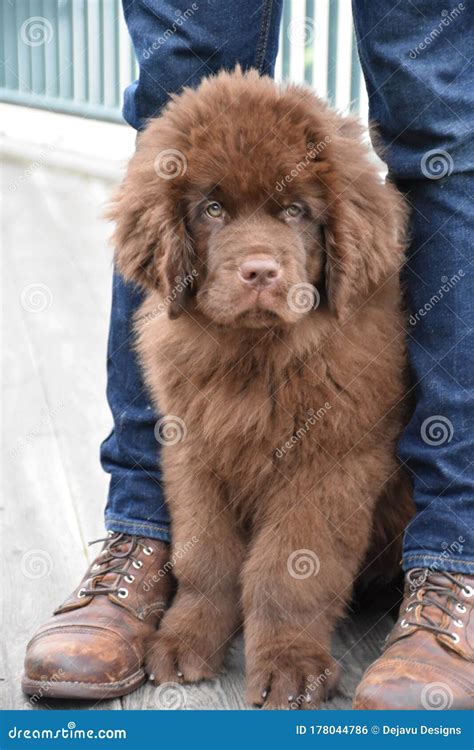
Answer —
292 683
171 658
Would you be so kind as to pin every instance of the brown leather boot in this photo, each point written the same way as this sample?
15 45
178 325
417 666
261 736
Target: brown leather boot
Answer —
428 660
94 645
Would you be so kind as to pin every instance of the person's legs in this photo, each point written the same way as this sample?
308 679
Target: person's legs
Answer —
94 646
420 80
176 45
422 101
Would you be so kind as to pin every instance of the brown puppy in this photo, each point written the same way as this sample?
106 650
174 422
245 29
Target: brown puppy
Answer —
272 336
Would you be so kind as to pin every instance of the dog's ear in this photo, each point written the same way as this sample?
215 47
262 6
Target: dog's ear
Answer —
365 221
177 266
153 248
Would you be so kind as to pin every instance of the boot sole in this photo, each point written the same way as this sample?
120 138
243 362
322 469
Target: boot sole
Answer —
82 690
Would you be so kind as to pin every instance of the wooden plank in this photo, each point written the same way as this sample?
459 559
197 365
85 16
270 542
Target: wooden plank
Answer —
226 692
63 247
44 553
39 565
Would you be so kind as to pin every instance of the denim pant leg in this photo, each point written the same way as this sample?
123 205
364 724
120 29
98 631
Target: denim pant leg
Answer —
176 44
417 61
179 42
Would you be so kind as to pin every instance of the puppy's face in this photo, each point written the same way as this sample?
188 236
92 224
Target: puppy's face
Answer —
273 206
260 256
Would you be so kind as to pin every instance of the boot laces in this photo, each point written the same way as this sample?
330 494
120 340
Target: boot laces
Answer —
120 552
439 595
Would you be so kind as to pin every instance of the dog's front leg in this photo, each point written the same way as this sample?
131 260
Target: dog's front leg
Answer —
207 556
297 580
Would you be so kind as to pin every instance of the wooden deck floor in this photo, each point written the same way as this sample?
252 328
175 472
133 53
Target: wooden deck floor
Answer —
56 296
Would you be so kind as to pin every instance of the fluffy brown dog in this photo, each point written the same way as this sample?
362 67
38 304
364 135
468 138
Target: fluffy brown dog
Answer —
255 217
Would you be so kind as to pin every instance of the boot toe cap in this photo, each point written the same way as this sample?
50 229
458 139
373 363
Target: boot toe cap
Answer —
65 660
407 685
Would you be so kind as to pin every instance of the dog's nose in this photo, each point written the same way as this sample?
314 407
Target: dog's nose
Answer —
259 272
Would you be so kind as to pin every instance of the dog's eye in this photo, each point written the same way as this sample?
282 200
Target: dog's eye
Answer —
214 210
293 210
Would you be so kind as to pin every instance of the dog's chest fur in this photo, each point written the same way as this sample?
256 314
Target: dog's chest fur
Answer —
257 406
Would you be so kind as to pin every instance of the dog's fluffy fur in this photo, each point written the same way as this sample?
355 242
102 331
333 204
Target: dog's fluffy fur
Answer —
286 471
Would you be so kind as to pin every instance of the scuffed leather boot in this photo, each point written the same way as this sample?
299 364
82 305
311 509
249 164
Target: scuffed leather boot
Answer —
94 645
428 661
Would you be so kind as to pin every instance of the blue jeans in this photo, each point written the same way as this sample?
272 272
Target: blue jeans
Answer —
421 96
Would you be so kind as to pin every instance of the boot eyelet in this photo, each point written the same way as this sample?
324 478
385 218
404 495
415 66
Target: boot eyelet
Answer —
467 592
130 578
403 624
95 567
137 564
122 593
81 593
410 607
461 608
455 637
459 623
147 550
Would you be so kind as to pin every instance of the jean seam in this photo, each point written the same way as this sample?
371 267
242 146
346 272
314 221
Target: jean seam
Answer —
129 524
262 44
436 558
